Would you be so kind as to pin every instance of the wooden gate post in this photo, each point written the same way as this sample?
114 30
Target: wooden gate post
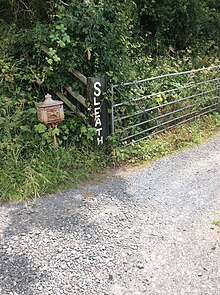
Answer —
96 87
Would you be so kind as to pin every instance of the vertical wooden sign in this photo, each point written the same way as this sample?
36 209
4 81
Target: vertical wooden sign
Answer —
95 89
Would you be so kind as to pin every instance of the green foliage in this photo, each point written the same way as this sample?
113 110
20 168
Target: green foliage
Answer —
131 116
17 111
112 34
98 43
120 39
29 165
178 24
47 170
180 137
25 13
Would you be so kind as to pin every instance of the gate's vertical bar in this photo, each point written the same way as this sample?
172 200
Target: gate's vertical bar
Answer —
112 107
218 91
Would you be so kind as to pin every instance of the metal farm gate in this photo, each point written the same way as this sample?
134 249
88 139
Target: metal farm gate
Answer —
147 107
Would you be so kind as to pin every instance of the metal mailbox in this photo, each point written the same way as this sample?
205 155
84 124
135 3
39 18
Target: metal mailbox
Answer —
50 112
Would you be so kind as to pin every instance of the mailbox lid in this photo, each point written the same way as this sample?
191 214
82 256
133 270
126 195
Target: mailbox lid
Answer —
49 102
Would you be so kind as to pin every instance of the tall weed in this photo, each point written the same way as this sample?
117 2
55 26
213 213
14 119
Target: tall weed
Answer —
48 170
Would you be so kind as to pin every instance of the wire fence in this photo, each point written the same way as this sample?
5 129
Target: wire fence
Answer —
148 107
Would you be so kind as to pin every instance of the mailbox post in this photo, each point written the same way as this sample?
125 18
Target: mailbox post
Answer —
50 112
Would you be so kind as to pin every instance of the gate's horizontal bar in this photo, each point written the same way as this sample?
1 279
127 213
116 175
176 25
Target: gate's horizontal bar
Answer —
81 99
167 75
78 75
167 122
169 127
163 105
167 91
156 126
167 114
71 106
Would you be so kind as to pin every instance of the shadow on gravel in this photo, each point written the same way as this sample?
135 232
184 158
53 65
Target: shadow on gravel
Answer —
18 273
64 214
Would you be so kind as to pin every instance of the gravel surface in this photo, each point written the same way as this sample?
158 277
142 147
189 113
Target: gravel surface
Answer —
148 231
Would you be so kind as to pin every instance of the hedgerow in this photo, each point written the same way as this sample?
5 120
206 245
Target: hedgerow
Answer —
123 40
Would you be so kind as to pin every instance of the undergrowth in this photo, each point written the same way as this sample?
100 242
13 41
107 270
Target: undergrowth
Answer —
81 35
183 136
48 170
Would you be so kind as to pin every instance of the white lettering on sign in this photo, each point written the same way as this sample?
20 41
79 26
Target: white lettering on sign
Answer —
96 103
98 130
100 140
97 112
97 86
98 122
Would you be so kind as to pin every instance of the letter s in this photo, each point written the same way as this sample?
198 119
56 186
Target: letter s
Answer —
97 86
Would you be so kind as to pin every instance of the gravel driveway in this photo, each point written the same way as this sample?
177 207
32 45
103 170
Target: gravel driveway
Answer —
147 231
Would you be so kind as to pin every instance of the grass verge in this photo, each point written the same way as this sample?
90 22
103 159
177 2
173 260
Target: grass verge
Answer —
50 170
181 137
